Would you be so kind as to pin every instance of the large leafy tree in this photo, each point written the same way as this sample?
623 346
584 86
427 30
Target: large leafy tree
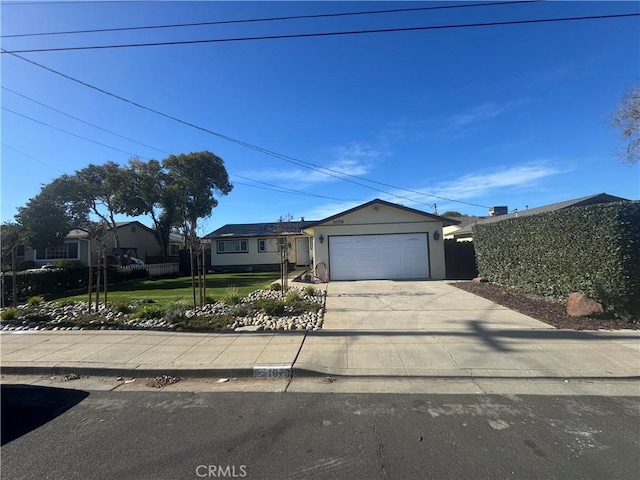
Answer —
47 218
100 187
145 191
627 119
193 180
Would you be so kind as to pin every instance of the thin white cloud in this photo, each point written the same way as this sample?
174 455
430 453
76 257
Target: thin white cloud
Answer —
354 159
474 186
478 113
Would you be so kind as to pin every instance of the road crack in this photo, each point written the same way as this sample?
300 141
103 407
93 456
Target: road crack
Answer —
380 451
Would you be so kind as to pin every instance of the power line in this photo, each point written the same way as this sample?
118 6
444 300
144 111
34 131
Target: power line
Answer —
323 170
279 188
270 19
283 189
31 157
83 121
324 34
71 133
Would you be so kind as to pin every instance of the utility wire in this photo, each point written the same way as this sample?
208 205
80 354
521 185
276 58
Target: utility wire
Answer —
324 34
284 189
325 171
83 121
275 188
31 157
72 134
269 19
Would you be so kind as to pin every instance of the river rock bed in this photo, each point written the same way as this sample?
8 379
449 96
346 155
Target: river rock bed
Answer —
243 315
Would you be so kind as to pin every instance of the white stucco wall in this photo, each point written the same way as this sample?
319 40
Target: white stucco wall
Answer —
381 219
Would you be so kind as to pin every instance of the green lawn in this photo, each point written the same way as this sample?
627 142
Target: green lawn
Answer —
167 290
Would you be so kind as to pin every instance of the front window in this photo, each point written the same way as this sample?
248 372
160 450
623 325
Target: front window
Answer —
68 251
232 246
262 245
174 250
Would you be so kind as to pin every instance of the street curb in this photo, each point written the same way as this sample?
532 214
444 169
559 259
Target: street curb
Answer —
135 372
276 372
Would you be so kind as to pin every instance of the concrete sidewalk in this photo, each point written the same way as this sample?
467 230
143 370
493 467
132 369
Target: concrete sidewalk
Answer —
372 329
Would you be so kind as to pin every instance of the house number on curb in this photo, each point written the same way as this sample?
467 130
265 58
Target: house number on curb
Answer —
272 372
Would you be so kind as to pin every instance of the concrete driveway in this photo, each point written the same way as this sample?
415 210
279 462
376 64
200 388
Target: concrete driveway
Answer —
431 329
383 305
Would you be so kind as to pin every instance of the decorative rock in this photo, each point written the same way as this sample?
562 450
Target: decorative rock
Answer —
580 305
479 280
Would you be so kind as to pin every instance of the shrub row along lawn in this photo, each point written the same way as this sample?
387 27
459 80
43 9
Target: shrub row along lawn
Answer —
168 290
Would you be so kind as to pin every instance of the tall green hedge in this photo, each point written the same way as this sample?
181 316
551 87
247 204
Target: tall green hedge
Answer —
55 281
594 250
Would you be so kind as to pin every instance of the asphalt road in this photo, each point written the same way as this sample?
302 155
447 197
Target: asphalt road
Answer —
69 434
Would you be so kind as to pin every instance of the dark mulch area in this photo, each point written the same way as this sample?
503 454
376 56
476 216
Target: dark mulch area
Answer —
544 309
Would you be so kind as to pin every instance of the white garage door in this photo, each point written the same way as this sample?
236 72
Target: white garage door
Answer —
378 257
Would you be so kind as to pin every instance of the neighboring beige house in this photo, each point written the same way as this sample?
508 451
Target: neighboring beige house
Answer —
136 240
379 240
464 230
256 246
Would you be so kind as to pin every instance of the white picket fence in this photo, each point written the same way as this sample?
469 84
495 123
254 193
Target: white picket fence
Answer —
156 269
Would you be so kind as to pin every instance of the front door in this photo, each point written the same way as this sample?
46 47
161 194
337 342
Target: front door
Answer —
302 251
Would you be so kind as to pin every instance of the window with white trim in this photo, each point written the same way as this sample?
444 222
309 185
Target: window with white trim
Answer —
232 246
262 244
174 249
68 251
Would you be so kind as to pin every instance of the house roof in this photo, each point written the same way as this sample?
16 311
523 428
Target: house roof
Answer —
576 202
82 232
444 220
271 229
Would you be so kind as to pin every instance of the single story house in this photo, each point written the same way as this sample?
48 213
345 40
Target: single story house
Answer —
136 240
376 240
257 246
463 231
379 240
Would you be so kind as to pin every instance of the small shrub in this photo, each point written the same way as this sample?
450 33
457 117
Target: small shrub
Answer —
175 311
147 311
123 307
241 310
309 290
292 297
270 306
232 296
67 264
276 287
209 299
35 300
9 313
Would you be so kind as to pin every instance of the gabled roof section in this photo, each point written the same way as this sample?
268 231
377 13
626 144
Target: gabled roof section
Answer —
444 220
271 229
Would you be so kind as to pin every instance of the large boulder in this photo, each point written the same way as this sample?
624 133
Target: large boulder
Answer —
580 305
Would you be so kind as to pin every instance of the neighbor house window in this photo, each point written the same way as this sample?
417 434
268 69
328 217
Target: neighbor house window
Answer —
174 250
232 246
262 245
68 251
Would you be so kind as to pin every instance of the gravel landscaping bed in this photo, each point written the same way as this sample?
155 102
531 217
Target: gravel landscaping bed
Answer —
300 309
546 310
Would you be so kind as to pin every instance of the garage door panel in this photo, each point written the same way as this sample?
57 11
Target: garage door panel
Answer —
366 257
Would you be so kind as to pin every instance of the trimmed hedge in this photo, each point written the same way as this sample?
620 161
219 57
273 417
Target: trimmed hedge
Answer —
50 282
594 250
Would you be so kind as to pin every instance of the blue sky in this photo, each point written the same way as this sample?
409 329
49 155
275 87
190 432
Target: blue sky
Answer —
510 115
